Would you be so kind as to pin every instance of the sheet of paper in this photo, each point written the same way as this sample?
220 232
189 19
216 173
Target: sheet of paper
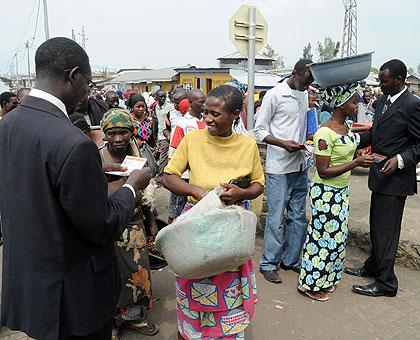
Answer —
132 163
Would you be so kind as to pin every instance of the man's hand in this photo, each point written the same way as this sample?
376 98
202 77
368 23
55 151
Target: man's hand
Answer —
291 146
232 193
390 166
139 179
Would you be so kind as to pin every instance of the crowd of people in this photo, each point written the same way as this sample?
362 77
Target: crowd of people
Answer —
79 243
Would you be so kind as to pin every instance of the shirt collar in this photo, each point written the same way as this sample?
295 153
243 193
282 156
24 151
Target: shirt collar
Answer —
49 98
395 97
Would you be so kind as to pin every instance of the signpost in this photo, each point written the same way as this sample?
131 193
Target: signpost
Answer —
248 32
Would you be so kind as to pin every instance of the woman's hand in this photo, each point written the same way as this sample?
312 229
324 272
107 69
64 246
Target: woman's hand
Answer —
232 193
365 161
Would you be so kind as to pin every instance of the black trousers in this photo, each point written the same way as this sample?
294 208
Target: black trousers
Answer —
385 226
105 333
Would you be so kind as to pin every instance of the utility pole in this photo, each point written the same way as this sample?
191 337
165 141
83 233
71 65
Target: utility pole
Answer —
83 38
46 27
29 66
17 71
251 66
349 45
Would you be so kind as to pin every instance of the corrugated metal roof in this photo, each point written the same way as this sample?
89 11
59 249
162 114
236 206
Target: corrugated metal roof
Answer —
262 79
148 76
237 55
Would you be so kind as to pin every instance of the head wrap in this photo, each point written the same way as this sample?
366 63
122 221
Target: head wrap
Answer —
135 98
184 105
117 118
336 96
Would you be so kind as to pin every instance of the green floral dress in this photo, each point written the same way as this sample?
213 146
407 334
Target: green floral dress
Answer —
133 261
324 250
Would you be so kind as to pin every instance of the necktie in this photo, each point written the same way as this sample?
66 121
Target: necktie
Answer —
386 106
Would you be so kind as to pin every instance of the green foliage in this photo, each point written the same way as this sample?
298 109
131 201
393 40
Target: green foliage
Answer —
307 52
268 51
328 50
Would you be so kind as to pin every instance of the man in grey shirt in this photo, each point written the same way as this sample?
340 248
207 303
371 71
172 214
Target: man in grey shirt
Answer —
281 123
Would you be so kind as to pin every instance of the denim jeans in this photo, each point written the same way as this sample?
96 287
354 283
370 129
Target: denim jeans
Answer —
283 243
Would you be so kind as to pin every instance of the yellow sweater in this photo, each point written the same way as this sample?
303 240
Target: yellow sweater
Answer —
213 160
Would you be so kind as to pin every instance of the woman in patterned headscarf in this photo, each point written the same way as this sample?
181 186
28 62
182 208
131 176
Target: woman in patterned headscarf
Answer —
132 256
143 131
325 246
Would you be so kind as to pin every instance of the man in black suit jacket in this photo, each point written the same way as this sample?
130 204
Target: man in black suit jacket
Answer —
395 134
59 225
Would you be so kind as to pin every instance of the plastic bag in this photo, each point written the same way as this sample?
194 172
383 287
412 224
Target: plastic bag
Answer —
209 239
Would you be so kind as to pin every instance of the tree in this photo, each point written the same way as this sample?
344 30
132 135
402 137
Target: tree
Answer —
104 73
418 69
374 70
410 71
328 50
307 52
268 51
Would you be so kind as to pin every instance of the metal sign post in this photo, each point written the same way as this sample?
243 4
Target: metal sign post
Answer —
251 67
248 32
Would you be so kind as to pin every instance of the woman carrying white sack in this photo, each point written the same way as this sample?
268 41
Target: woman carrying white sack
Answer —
221 306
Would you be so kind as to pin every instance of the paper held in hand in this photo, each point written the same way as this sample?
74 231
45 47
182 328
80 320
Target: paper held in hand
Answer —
132 163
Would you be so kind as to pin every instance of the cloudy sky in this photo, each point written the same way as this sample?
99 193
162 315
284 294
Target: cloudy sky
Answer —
137 33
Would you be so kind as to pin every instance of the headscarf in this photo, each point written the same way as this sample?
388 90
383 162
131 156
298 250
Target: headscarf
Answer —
135 98
336 96
117 118
184 106
122 119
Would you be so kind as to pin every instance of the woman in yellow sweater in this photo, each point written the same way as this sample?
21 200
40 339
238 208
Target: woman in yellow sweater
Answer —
215 156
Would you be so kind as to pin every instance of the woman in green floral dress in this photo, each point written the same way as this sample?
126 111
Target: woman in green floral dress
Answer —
135 298
325 246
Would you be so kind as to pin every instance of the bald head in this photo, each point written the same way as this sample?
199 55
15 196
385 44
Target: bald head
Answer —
196 98
112 99
177 96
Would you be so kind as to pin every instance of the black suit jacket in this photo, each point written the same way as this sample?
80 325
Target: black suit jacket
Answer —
58 226
397 131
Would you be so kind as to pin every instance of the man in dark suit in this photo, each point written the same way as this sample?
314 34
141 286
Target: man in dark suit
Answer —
395 134
59 225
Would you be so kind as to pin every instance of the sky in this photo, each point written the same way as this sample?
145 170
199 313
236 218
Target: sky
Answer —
162 33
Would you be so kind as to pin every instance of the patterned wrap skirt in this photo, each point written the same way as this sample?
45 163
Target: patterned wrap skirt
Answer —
133 262
217 307
324 250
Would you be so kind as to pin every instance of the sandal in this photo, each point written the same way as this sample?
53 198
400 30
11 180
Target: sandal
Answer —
115 334
330 289
148 328
317 296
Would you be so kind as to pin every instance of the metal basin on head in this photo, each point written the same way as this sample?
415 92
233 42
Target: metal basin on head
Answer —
341 71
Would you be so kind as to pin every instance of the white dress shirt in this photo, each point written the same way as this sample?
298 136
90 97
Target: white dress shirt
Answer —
392 99
58 103
283 116
49 98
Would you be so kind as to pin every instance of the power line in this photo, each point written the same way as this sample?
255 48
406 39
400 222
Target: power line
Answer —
36 22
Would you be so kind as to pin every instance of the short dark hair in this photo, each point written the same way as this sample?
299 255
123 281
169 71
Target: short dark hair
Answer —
301 67
5 97
58 54
230 95
396 68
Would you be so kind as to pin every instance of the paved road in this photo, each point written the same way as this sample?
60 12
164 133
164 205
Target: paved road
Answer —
282 313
